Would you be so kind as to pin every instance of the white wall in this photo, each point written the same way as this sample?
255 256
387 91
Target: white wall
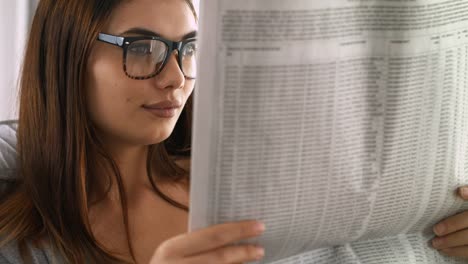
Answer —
15 17
196 3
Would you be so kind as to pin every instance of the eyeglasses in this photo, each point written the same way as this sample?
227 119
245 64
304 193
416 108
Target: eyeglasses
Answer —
145 56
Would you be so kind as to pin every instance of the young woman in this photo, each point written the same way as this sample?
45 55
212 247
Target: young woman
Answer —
104 140
103 143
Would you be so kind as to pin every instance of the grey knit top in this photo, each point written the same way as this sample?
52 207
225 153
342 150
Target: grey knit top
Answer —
9 254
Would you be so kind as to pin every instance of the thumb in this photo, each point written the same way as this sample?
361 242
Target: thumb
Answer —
463 192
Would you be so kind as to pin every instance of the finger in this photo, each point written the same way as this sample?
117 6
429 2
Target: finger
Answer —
463 192
455 252
228 255
452 224
211 238
456 239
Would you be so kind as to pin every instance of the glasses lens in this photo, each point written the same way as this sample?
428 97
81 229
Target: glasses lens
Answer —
145 58
189 59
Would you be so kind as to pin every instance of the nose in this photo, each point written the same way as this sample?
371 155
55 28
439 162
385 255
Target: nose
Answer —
171 75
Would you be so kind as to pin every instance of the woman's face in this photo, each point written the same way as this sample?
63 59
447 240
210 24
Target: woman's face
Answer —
118 105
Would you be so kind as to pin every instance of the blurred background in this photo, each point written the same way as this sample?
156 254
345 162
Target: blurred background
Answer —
15 19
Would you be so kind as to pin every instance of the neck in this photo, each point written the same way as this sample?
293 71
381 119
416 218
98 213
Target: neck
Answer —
131 162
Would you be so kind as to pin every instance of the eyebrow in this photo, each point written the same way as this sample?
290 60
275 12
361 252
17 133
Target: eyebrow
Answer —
147 32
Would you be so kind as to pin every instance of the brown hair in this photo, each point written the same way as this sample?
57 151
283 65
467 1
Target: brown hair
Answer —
57 143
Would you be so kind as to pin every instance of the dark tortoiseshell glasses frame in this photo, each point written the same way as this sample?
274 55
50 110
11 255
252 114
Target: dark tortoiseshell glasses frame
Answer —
125 42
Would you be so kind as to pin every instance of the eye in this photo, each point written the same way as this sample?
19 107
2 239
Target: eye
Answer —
140 49
190 49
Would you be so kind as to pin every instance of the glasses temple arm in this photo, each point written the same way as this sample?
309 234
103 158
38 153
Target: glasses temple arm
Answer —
114 40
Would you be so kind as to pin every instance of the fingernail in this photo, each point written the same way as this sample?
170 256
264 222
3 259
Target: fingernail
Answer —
260 252
436 242
464 192
445 251
439 229
259 227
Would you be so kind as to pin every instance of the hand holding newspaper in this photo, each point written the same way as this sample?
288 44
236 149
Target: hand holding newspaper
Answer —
341 124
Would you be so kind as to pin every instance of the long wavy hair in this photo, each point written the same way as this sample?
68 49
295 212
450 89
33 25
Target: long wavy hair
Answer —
58 145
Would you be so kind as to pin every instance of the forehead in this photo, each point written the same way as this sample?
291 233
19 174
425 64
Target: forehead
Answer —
172 19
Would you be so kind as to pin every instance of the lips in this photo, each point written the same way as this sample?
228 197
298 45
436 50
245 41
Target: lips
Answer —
164 109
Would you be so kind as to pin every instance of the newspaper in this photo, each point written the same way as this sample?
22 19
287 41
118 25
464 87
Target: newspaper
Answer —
342 124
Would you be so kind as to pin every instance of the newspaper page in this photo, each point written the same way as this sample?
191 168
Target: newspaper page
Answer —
342 124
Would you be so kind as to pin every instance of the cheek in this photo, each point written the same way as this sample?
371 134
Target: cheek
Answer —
188 88
109 97
103 91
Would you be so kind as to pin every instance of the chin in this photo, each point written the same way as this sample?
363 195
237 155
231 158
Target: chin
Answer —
157 135
152 131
